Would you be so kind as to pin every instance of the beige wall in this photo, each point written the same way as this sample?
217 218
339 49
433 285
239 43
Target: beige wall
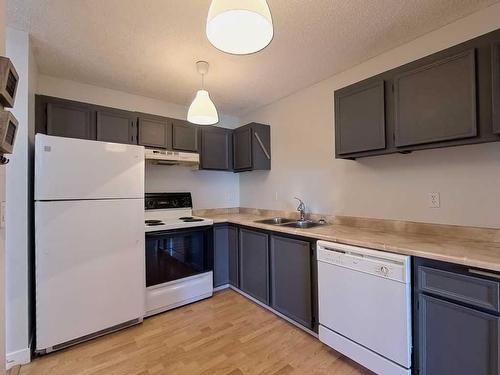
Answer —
392 186
209 188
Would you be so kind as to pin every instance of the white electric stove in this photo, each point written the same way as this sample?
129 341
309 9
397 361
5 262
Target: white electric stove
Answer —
179 252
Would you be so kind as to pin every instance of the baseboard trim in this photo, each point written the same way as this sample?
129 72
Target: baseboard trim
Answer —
221 287
20 357
307 330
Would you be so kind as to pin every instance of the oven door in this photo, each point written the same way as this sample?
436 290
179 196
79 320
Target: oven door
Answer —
176 254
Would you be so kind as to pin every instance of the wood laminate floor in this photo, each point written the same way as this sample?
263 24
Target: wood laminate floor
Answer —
226 334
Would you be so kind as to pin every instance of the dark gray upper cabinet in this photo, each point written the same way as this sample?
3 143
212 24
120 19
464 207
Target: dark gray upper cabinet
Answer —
252 147
456 340
291 279
254 264
184 136
360 117
216 148
66 118
153 131
495 61
116 126
436 102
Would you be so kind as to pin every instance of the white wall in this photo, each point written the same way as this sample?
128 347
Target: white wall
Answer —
392 186
2 228
19 202
210 189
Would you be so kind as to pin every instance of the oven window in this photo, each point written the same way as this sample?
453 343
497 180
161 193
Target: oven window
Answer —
174 255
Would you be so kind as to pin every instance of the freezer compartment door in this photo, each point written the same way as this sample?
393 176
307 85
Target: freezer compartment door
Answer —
67 168
89 267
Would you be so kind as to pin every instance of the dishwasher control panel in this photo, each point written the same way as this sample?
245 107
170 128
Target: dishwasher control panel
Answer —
387 265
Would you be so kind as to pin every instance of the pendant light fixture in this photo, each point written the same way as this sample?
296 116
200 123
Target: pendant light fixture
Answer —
202 110
239 27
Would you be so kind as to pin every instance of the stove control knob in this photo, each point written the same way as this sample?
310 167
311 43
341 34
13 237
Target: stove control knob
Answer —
384 270
150 204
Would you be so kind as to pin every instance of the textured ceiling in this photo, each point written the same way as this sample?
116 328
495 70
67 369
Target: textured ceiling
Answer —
149 47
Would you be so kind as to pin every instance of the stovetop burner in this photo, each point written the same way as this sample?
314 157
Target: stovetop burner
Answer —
152 221
154 224
185 218
191 220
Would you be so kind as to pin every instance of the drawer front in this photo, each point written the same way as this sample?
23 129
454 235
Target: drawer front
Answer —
467 289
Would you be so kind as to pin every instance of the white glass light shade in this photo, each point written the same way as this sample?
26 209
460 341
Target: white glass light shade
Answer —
202 110
239 26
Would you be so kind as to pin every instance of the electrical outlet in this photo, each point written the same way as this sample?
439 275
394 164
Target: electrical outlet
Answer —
276 196
434 200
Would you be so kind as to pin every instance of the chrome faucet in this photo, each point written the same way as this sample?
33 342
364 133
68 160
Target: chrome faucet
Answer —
302 209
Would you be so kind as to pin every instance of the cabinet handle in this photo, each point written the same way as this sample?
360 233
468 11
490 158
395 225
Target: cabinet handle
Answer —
262 146
484 273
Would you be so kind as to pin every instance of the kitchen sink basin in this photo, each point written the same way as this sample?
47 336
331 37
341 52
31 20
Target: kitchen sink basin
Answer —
303 224
275 221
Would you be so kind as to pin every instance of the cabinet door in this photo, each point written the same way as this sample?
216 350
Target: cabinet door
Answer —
153 131
216 148
233 256
291 279
456 340
254 264
242 148
360 118
221 255
436 102
184 136
71 119
116 126
496 87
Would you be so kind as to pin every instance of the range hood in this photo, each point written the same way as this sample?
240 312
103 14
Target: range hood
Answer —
165 157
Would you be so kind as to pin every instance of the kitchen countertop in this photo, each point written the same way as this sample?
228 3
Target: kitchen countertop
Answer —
474 247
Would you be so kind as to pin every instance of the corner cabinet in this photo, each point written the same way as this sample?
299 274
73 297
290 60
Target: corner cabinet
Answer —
360 130
252 147
456 320
216 151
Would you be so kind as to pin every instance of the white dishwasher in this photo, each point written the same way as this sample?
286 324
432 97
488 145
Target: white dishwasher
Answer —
365 306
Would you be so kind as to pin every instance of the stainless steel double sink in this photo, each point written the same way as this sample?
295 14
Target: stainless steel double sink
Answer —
290 223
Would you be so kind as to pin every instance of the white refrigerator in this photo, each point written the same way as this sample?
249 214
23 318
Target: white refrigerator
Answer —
89 239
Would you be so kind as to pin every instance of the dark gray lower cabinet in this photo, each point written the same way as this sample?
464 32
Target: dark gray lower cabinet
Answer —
456 320
254 264
225 255
184 136
233 239
291 279
221 255
116 126
456 340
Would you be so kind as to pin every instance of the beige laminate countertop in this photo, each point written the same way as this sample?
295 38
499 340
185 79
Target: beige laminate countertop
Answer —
479 248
